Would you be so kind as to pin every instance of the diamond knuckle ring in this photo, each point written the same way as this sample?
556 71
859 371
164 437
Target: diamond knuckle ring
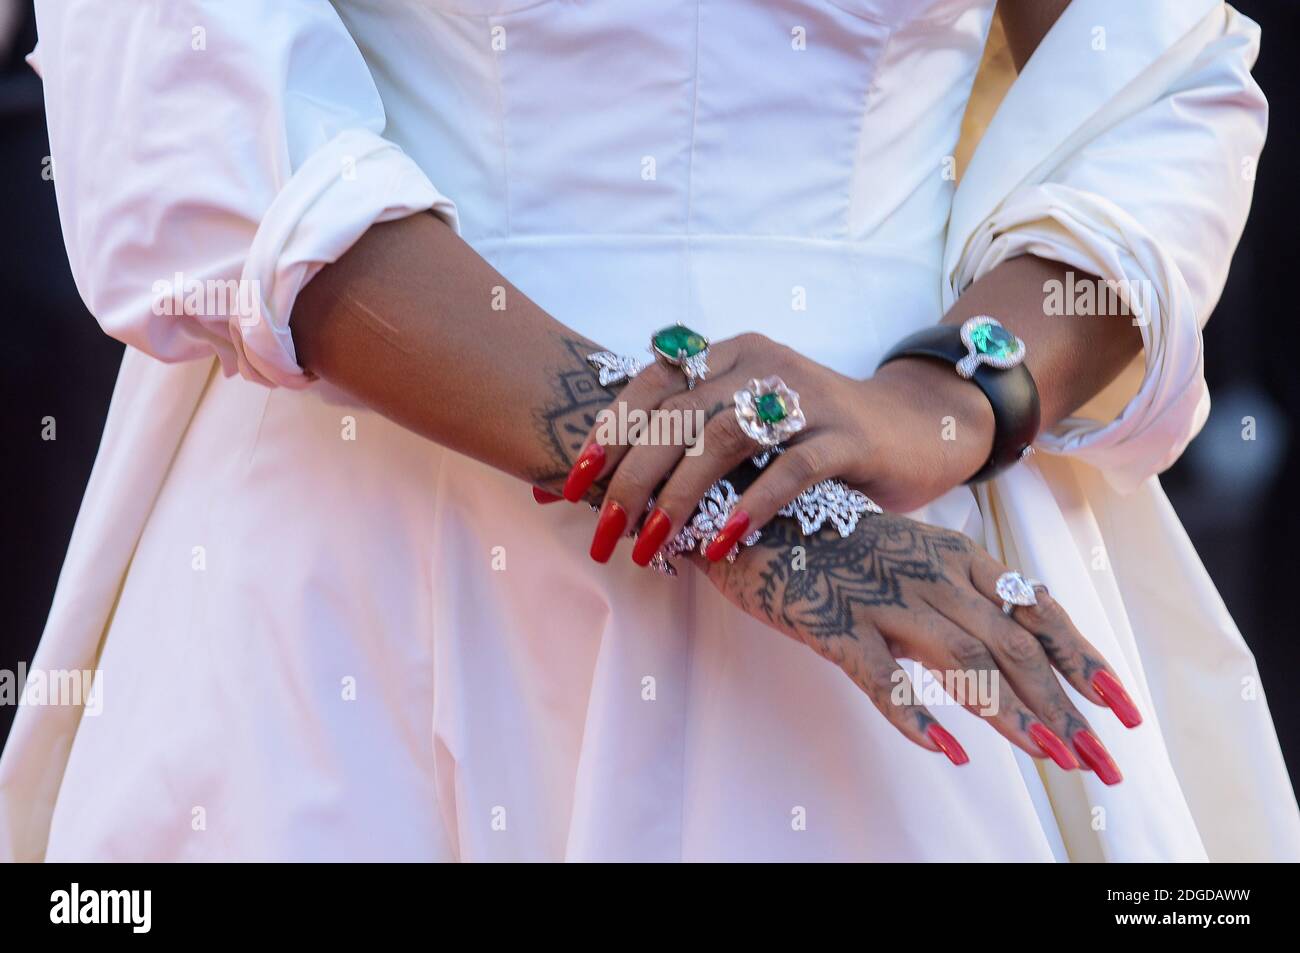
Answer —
614 368
769 411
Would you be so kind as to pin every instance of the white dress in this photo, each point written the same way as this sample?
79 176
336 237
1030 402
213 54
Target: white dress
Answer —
307 644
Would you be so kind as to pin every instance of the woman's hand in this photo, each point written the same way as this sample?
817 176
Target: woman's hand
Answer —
903 437
897 588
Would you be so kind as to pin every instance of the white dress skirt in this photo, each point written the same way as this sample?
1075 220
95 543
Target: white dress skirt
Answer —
319 636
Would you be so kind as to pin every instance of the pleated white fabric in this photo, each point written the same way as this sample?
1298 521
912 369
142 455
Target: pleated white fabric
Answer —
322 637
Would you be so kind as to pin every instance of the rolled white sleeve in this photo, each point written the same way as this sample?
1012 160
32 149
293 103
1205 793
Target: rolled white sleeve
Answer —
209 158
1155 204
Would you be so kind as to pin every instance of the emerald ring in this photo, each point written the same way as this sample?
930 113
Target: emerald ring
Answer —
768 411
681 347
988 342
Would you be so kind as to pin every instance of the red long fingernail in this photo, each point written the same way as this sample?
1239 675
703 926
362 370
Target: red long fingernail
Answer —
590 462
947 743
1113 694
543 497
1053 746
608 529
731 533
1095 756
652 536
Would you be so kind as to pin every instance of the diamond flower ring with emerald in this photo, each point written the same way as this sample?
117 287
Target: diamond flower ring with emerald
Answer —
769 411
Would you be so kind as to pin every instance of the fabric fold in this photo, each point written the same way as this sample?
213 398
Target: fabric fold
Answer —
1191 114
1097 237
355 181
192 224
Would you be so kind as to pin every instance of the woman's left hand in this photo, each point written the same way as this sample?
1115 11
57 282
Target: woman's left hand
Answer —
903 437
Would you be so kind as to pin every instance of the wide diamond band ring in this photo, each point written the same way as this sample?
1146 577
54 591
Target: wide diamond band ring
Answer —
768 411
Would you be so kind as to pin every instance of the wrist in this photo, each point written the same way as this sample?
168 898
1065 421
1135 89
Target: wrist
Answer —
946 416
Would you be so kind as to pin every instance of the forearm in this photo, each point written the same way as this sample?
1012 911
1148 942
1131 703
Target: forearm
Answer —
416 325
1072 358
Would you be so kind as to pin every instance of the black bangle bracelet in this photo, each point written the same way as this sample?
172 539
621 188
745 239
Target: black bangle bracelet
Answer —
1011 391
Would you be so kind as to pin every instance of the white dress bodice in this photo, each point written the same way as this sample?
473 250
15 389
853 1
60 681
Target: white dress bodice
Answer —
783 167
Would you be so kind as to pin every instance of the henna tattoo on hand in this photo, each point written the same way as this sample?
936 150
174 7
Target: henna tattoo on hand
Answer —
867 568
716 409
1068 660
564 422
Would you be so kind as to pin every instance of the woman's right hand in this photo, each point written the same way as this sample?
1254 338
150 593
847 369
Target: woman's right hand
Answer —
896 588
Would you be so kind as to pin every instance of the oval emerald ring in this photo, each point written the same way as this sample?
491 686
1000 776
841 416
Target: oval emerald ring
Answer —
768 411
988 342
681 347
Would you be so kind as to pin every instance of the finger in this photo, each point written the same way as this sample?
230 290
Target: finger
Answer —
722 447
598 457
1073 655
1026 665
655 383
866 659
1041 710
970 673
677 428
635 463
804 463
638 463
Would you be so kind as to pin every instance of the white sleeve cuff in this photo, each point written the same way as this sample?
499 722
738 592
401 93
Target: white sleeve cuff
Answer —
354 181
1095 236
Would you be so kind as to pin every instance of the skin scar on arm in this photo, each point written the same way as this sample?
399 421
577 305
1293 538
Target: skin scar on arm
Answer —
372 320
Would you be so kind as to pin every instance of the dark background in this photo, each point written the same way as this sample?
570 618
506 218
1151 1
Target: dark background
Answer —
1236 499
